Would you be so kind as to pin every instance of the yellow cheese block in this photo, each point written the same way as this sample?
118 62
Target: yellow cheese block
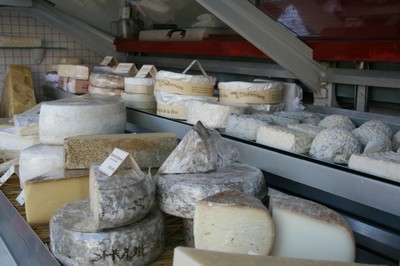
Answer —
18 94
46 193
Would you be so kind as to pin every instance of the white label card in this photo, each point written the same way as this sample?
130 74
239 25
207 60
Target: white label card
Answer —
21 198
115 160
7 175
145 70
109 61
125 68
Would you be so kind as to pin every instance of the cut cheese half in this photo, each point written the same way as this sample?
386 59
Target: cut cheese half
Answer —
232 221
308 230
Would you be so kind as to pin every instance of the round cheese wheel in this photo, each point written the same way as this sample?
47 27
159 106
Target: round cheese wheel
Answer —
123 198
139 85
39 159
85 115
178 193
75 241
138 100
106 80
104 91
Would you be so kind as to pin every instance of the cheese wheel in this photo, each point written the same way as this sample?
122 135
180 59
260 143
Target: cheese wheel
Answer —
104 91
74 71
74 240
308 230
39 159
85 115
212 115
138 100
120 199
106 80
232 221
139 85
178 194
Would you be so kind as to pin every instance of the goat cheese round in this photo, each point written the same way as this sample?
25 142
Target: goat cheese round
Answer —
178 194
75 241
335 145
377 131
84 115
333 121
123 198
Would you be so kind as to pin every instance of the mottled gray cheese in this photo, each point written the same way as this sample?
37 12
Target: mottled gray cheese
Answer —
396 141
333 121
304 117
381 164
376 131
123 198
178 194
307 128
245 126
200 150
335 145
75 241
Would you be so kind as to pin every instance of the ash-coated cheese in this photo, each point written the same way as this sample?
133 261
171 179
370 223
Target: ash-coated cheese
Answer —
307 128
212 115
374 130
340 121
120 199
284 138
381 164
304 117
73 71
246 126
39 159
149 150
200 150
188 232
284 121
308 230
335 145
178 194
75 241
184 256
139 100
232 221
84 115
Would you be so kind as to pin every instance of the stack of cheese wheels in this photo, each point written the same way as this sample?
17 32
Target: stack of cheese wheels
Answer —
139 93
200 166
106 83
72 77
118 225
262 97
174 91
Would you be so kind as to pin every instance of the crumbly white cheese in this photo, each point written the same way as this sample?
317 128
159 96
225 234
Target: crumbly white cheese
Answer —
232 221
75 241
178 194
246 126
335 145
200 150
381 164
333 121
374 131
308 230
85 115
39 159
284 138
212 115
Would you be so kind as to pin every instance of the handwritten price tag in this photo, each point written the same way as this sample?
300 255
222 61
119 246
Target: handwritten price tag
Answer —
125 68
115 160
145 70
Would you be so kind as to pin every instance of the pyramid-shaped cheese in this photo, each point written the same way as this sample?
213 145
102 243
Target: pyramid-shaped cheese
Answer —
201 150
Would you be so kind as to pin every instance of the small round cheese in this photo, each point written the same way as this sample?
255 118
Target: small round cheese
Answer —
105 91
75 241
178 193
123 198
85 115
139 85
106 80
332 121
335 145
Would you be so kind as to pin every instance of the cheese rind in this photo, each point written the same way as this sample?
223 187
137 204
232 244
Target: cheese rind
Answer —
148 149
178 194
232 221
46 193
85 115
284 138
74 240
381 164
123 198
324 234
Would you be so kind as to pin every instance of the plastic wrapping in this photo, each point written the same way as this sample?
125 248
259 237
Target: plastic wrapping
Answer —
106 80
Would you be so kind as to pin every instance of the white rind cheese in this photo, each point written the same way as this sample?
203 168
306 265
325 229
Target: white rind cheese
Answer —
39 159
120 199
307 128
178 194
85 115
374 131
245 126
74 240
335 145
212 115
232 221
184 256
139 100
340 121
381 164
139 85
106 80
308 230
284 139
73 71
200 150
